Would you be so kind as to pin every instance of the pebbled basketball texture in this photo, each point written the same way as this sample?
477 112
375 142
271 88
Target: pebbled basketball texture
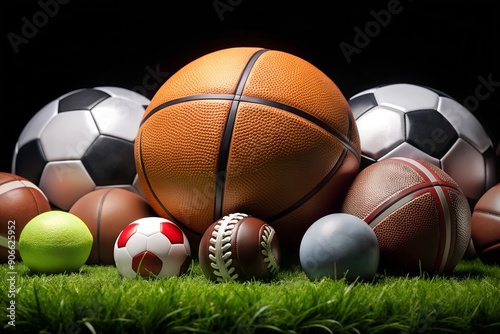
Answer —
419 214
486 226
250 130
106 212
20 201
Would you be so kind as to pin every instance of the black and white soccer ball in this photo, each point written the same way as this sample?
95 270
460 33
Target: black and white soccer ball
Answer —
423 123
81 141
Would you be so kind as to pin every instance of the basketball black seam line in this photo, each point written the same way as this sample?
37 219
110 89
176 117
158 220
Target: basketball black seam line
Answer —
189 98
236 98
300 113
313 191
220 179
150 187
34 199
316 121
98 225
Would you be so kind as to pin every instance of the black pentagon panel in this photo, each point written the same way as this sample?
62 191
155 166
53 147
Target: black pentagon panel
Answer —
361 104
490 167
82 100
30 161
430 132
110 161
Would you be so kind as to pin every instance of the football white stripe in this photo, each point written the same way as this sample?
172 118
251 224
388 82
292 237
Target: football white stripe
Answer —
389 210
6 187
444 205
420 167
447 221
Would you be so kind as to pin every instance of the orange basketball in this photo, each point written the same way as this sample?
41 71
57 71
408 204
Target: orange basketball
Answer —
251 130
419 214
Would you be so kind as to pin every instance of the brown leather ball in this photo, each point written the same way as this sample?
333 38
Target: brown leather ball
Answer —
20 201
106 212
485 226
239 247
420 215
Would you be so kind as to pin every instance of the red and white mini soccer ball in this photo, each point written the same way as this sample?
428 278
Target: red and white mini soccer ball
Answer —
152 246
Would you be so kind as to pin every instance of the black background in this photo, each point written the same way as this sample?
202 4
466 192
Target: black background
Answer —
77 44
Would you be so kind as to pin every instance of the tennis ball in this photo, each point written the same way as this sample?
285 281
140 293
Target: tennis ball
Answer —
55 242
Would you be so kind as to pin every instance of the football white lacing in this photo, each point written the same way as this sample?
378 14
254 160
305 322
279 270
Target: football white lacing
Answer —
267 239
220 244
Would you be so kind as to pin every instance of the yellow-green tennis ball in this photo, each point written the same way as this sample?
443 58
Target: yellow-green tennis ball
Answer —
55 242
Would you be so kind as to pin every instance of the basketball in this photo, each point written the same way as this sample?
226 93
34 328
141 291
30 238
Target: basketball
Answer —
20 201
106 212
251 130
485 227
419 214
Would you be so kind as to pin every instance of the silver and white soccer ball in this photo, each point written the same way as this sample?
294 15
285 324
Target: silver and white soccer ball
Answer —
152 246
81 141
423 123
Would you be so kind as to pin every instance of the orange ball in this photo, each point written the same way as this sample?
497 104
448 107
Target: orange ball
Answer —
251 130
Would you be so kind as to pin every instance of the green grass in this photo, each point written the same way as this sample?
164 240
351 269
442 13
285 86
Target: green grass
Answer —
99 300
